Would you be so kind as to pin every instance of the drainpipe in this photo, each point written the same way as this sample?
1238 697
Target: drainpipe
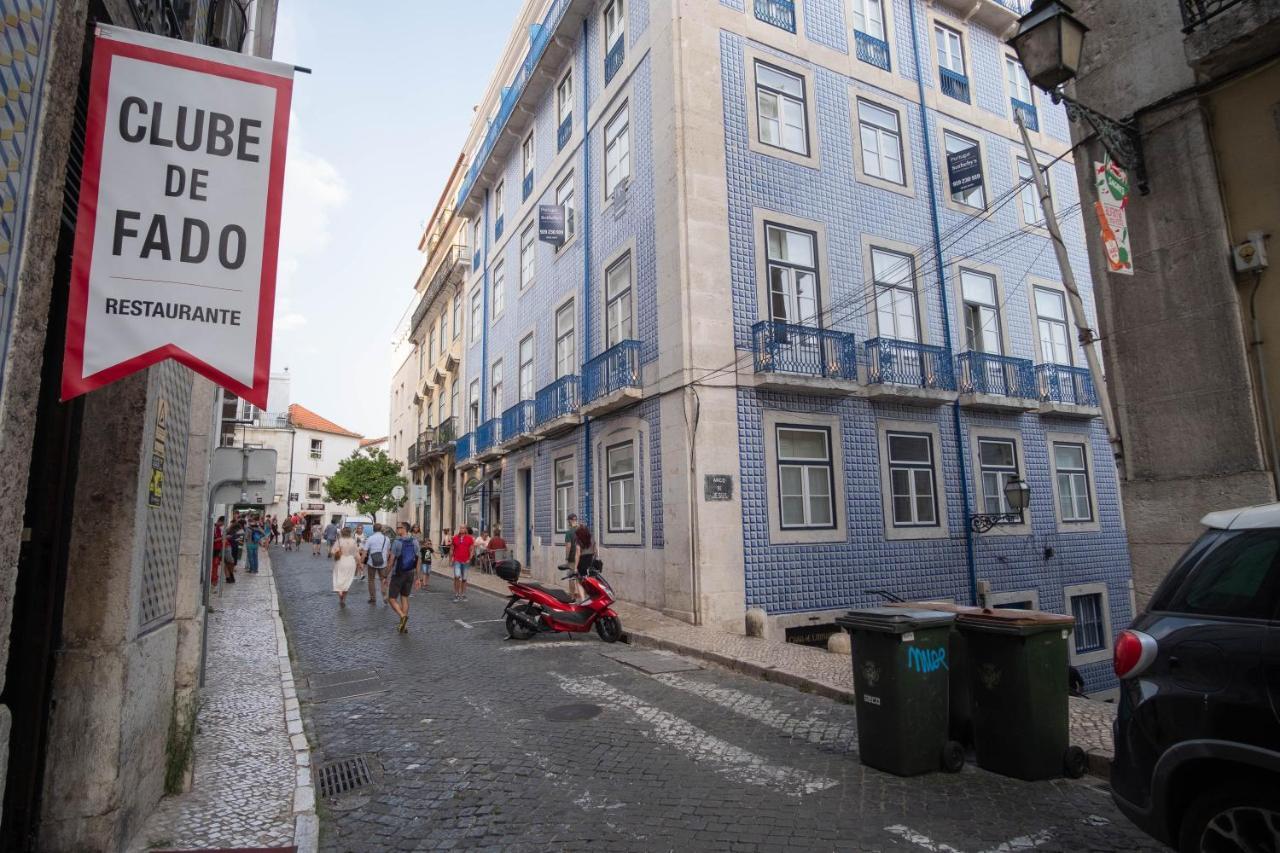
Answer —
1262 382
484 350
946 309
586 269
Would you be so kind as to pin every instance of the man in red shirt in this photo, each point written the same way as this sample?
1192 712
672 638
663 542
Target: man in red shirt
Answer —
462 542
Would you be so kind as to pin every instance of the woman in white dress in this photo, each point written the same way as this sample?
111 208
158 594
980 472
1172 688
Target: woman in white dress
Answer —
344 565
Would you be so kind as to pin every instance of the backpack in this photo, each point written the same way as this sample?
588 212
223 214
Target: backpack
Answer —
378 559
408 554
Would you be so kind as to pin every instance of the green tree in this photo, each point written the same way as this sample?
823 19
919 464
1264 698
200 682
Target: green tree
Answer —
366 479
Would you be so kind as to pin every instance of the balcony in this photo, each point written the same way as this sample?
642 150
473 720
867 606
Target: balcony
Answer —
526 187
1066 391
779 13
414 461
1028 112
611 380
463 454
996 383
1196 13
789 357
446 434
871 50
953 85
908 372
489 440
564 132
999 15
556 407
613 59
451 270
517 425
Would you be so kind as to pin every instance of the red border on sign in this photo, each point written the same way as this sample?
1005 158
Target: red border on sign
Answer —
74 382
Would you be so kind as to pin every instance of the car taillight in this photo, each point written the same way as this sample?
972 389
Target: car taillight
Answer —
1134 652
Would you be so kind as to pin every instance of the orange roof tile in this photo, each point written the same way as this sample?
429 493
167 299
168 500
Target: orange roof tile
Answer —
304 418
366 442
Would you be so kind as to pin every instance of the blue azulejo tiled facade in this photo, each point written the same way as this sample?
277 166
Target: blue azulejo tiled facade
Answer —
803 261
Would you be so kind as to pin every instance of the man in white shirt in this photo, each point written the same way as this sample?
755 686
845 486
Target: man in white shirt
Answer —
376 555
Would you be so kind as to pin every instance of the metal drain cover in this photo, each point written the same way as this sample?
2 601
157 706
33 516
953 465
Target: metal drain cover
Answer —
573 713
343 775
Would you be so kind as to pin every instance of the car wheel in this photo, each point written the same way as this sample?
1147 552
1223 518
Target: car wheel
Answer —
1234 817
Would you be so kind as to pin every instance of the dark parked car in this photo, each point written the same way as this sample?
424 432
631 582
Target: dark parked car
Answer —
1197 734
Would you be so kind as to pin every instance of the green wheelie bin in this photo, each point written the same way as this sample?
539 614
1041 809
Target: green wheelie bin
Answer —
1018 693
900 673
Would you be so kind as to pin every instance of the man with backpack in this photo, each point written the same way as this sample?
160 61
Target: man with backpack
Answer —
404 572
374 553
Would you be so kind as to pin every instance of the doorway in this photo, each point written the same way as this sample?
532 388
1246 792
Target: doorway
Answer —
524 515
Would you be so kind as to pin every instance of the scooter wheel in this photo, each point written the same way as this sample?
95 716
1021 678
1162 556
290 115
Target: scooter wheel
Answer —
609 628
517 630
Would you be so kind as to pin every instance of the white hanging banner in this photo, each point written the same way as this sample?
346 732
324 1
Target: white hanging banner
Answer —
178 229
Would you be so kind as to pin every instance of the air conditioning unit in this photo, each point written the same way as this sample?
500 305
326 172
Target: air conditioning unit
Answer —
1251 255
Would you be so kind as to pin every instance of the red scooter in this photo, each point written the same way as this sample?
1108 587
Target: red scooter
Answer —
535 609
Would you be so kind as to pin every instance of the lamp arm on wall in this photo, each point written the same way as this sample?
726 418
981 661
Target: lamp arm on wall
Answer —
1121 138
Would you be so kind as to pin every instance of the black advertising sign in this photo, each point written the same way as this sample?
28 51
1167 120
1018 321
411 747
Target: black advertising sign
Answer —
551 224
964 170
718 487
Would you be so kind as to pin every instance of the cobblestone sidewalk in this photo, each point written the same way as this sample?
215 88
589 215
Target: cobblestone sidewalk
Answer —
249 774
807 668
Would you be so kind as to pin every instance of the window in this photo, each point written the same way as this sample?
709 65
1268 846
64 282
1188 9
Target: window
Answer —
313 487
1087 610
1029 197
981 312
950 49
621 467
617 152
998 464
881 143
527 244
791 256
1019 86
868 17
614 24
911 479
457 316
499 196
440 405
1231 573
444 330
564 198
974 196
317 448
498 287
566 362
526 157
617 297
477 315
564 477
894 276
495 389
1072 474
525 369
453 400
477 240
431 339
564 100
1051 322
805 478
780 108
473 404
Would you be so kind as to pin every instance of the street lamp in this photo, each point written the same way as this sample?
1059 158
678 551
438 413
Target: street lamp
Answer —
1017 494
1049 43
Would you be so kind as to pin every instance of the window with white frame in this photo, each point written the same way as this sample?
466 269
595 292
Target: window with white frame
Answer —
881 138
313 487
780 109
950 49
499 196
495 389
620 467
997 465
528 243
1051 324
477 314
981 312
1019 86
444 330
1089 633
893 274
525 377
440 405
453 399
912 480
564 198
791 256
614 24
805 478
565 474
457 315
868 17
526 156
473 405
497 289
431 338
975 196
1071 471
617 306
617 151
317 448
566 362
477 236
564 99
1028 196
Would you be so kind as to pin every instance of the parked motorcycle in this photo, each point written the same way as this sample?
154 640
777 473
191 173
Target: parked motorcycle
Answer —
534 608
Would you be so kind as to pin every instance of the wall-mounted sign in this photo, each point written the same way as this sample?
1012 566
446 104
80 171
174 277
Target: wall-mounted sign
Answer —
1113 200
178 228
964 170
155 488
315 506
718 487
551 219
293 496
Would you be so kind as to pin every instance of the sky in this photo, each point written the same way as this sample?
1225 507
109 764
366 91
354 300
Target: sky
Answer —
373 135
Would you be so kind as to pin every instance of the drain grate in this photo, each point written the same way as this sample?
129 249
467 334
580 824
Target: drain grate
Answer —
343 775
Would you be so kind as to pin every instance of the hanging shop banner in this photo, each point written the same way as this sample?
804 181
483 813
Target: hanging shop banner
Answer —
964 170
178 228
1113 220
551 219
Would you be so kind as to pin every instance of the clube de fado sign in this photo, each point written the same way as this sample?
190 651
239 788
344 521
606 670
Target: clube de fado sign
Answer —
178 229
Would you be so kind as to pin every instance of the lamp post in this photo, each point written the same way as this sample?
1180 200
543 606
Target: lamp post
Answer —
1017 494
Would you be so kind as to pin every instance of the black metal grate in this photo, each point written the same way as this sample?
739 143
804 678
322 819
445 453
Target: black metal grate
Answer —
1197 12
335 778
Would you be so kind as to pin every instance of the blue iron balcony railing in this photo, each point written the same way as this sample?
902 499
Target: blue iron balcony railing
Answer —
462 449
539 38
805 350
518 420
613 59
780 13
894 362
872 50
954 85
1000 375
558 399
616 368
526 186
565 131
488 434
1028 112
1059 383
498 225
1013 5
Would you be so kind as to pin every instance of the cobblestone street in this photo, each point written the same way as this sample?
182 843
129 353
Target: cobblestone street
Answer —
552 744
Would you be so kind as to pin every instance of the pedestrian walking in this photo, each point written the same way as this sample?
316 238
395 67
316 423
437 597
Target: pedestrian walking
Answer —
218 542
275 530
343 552
582 555
376 551
462 544
330 534
403 572
228 556
286 530
359 537
315 539
480 553
425 549
253 538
